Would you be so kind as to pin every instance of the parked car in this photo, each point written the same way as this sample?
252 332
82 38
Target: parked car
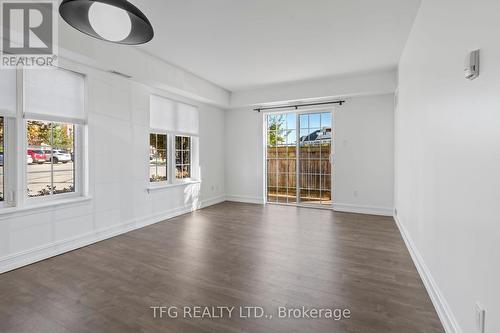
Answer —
29 159
59 155
1 158
37 155
48 154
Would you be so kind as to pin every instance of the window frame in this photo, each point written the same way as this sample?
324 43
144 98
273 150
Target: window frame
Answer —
78 167
10 174
309 110
190 178
167 166
9 163
6 168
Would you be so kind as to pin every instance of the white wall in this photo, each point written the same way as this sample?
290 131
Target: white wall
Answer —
448 157
118 156
364 129
355 84
141 66
244 156
364 154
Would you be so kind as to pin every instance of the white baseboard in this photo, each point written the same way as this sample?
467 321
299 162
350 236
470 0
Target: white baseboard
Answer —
443 310
213 201
31 256
244 199
372 210
348 208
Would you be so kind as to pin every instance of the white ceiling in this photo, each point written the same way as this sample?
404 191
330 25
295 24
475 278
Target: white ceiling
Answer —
243 44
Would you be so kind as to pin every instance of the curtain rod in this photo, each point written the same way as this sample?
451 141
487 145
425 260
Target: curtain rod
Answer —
296 106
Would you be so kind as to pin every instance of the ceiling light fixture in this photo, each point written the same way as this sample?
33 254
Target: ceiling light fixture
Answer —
116 21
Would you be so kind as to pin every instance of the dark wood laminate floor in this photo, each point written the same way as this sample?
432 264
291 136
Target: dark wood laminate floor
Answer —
228 254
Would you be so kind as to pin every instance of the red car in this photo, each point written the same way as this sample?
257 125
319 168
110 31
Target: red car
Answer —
37 155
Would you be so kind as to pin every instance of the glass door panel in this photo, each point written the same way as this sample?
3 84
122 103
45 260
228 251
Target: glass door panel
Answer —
315 144
299 147
281 158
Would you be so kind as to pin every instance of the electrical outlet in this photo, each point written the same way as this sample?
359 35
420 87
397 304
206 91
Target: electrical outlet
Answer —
479 313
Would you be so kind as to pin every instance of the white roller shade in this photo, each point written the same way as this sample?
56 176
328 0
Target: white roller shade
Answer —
8 92
173 116
187 118
54 94
162 113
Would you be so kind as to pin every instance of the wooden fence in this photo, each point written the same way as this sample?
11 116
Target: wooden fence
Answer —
314 172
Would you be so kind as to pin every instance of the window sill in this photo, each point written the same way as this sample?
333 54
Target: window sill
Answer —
47 204
159 187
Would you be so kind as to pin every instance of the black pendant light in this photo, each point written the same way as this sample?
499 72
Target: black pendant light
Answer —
116 21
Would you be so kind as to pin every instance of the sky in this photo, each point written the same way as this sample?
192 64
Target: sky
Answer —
309 123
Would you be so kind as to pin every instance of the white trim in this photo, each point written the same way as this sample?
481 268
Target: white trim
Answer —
168 181
54 119
9 163
28 257
264 161
163 185
245 199
301 205
443 310
371 210
40 206
6 115
176 180
79 182
213 201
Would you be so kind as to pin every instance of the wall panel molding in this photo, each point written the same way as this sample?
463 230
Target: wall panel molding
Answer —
31 256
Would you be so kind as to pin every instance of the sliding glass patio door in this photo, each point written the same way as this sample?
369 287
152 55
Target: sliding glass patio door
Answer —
298 158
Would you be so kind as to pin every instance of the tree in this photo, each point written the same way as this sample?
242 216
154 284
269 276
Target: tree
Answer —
62 136
275 131
50 134
38 133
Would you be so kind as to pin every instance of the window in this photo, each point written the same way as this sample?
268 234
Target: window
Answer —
54 118
173 136
158 157
2 186
50 158
182 157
